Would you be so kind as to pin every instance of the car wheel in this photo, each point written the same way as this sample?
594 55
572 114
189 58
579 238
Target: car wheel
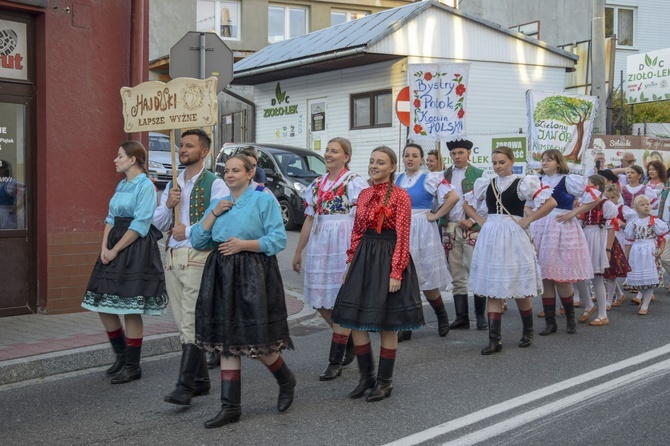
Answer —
287 214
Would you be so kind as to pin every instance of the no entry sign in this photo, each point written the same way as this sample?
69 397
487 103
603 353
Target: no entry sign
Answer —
402 106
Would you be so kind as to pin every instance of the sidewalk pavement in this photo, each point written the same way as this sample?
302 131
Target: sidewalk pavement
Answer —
36 346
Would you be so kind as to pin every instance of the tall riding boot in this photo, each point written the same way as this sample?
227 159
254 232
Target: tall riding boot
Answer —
366 369
349 353
495 338
569 307
118 341
131 370
213 360
337 347
184 389
442 317
202 382
549 305
480 312
462 321
231 409
287 382
384 384
527 321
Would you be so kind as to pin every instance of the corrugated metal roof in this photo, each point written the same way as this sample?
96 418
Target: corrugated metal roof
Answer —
354 34
353 37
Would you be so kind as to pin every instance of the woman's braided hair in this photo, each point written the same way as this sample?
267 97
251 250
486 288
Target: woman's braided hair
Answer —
394 161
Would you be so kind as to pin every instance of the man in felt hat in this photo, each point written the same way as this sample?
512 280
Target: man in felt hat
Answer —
460 233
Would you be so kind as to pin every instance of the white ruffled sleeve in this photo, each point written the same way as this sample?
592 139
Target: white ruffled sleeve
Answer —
432 181
610 212
354 188
309 198
442 190
578 186
533 191
650 193
661 228
629 231
477 195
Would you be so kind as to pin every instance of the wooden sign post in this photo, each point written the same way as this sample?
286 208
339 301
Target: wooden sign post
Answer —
182 102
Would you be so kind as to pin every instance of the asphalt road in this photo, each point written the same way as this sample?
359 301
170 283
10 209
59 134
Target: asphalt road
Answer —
604 385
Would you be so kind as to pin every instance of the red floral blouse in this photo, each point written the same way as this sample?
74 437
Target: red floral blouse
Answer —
397 216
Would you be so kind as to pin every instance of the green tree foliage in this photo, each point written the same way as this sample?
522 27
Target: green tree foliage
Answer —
569 110
650 112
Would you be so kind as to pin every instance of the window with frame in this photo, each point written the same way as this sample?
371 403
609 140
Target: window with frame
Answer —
371 110
221 17
338 17
531 29
286 22
620 21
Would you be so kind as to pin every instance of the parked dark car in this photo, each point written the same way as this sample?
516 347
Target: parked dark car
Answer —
289 171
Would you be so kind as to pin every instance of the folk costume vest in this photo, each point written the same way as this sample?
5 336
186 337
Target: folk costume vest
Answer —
200 197
472 173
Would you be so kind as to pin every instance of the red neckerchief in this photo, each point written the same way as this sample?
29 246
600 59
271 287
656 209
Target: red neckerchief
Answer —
321 191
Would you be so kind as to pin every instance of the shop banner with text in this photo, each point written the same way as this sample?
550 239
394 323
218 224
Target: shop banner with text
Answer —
559 121
181 103
437 100
648 77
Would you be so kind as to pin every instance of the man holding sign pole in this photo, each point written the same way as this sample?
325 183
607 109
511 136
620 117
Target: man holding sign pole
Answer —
196 187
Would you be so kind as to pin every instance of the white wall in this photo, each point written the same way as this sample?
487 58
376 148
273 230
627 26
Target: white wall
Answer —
495 105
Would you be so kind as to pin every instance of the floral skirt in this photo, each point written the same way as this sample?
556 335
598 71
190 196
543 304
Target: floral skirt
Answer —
619 266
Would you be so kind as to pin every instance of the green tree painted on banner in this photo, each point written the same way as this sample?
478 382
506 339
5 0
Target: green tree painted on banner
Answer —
569 110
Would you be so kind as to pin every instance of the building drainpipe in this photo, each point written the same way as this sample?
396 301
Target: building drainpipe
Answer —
138 55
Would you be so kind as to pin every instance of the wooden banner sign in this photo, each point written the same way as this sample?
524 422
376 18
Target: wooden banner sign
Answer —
181 103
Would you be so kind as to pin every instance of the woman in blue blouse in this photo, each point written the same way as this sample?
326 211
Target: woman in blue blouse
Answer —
241 309
128 277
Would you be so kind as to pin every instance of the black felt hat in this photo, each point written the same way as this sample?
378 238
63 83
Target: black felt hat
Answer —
608 174
459 144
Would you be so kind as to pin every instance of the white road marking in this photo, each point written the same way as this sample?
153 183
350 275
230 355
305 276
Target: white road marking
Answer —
607 389
508 405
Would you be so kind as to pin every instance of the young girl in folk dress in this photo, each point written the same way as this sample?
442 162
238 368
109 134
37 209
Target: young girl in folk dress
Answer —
562 249
600 240
624 214
425 243
381 289
331 201
504 265
645 234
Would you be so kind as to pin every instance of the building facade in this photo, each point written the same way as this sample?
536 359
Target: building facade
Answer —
62 66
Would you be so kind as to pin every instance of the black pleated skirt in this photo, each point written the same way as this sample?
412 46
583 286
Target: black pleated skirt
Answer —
241 308
364 302
132 283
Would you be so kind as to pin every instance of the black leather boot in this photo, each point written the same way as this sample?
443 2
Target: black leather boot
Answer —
131 370
527 321
442 317
495 339
185 387
202 382
334 368
480 312
231 409
213 360
384 384
119 346
349 353
569 307
366 369
549 305
287 382
462 321
404 336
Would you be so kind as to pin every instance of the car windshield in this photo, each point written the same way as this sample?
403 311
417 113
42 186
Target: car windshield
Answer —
301 166
159 144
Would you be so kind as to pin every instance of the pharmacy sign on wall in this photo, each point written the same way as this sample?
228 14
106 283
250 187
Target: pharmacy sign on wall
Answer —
648 77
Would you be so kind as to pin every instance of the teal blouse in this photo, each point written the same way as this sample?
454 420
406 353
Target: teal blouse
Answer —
136 199
255 216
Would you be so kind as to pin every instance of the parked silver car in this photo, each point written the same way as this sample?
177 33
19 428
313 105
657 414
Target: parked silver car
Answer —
160 159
